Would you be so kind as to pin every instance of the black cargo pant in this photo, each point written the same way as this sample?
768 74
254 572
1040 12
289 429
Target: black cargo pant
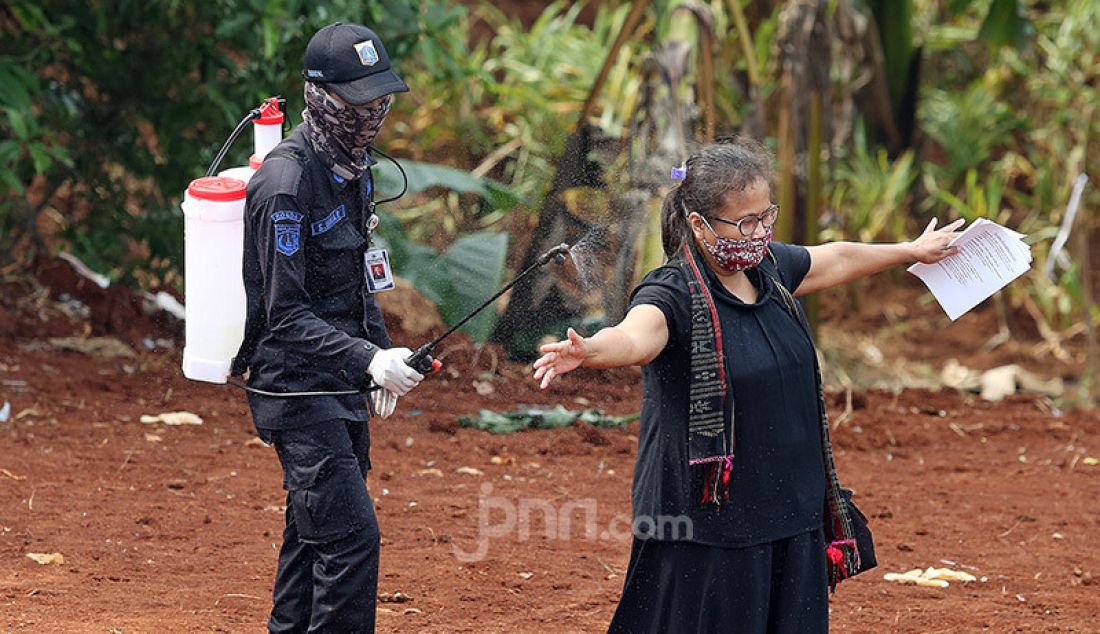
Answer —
327 579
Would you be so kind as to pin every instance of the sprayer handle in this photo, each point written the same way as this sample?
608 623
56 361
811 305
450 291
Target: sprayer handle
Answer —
423 363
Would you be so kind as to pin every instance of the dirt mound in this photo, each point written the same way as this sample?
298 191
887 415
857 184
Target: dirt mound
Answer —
52 298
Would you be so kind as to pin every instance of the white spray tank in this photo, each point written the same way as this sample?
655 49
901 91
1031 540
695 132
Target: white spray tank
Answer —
213 235
213 232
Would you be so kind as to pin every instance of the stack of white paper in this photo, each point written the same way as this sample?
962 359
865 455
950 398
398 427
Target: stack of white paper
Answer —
990 256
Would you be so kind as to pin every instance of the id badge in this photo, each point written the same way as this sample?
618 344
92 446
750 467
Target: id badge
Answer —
378 271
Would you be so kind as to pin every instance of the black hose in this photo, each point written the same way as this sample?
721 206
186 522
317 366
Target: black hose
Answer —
298 394
252 115
404 176
421 360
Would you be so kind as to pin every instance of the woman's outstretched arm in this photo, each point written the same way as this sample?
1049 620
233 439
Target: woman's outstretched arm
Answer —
636 340
839 262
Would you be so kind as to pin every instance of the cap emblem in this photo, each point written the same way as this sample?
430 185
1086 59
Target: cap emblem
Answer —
368 55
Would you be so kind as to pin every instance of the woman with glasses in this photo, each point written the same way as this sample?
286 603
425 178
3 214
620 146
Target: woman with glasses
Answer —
739 523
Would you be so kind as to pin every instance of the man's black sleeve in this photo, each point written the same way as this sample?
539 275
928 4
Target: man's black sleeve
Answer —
376 325
280 247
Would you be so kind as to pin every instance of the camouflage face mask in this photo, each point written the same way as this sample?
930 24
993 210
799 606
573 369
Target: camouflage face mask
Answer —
342 133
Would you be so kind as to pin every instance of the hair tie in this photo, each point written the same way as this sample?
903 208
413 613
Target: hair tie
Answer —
680 173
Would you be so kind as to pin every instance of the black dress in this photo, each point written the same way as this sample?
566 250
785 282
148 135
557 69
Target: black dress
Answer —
756 563
682 586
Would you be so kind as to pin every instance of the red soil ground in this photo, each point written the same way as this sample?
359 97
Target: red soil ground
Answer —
175 529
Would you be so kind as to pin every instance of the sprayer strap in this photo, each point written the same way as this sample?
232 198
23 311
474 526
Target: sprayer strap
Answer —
293 155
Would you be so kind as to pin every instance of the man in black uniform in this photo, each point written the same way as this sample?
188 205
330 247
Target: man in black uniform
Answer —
313 326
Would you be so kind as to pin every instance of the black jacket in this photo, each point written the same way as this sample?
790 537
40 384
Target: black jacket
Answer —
312 325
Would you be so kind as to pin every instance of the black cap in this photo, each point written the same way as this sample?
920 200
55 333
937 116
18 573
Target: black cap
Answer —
349 59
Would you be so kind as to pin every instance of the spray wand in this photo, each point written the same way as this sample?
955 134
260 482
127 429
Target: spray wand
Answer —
422 360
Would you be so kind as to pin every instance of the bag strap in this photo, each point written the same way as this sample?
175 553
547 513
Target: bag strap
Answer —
841 551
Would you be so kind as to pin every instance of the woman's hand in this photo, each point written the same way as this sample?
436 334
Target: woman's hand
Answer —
560 357
931 246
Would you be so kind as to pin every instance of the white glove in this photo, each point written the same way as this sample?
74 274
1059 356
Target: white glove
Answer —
384 402
389 371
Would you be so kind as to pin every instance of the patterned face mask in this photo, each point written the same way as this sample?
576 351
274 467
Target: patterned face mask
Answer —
732 255
341 132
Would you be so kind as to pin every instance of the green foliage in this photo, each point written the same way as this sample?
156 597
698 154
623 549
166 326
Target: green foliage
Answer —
969 126
1005 22
870 192
978 201
107 110
29 151
121 104
505 105
1014 133
894 19
543 75
475 264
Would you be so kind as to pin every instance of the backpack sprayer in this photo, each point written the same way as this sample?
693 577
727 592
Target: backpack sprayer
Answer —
213 230
213 210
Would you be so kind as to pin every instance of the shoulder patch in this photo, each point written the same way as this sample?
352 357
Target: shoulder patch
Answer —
288 238
288 231
329 221
286 214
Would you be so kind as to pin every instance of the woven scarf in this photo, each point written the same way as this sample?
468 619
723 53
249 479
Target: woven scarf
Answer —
711 420
710 402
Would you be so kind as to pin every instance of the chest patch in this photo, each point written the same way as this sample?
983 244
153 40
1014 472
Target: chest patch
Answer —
329 221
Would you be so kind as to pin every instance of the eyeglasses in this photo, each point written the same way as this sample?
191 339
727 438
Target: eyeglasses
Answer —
748 225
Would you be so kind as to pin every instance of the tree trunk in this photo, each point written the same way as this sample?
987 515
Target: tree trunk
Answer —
805 53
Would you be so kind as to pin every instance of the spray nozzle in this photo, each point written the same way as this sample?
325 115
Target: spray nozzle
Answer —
557 254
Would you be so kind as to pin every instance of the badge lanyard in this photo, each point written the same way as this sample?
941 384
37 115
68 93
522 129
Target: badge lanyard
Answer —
376 261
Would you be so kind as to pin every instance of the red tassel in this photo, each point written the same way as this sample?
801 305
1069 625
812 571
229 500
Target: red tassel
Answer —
708 484
837 558
726 478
